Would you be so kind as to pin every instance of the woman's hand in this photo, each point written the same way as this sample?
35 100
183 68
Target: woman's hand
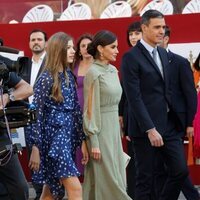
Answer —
34 162
85 153
96 153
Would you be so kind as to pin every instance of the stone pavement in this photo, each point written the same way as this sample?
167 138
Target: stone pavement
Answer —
32 193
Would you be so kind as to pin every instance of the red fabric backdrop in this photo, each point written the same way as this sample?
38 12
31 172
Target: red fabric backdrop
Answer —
185 29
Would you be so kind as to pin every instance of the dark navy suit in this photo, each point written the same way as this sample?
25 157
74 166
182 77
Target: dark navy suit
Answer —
183 101
150 102
130 170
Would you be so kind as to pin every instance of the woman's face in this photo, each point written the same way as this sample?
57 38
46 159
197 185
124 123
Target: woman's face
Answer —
70 51
134 36
109 52
83 48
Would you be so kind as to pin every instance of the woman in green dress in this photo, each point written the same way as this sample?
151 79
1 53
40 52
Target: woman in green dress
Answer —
105 175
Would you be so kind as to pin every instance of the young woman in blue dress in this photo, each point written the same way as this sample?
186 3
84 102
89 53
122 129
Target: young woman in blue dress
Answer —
58 130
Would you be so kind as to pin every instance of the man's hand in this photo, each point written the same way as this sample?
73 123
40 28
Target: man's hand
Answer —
155 138
34 162
128 138
190 131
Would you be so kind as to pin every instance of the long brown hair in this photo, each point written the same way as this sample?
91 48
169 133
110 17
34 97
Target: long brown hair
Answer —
56 61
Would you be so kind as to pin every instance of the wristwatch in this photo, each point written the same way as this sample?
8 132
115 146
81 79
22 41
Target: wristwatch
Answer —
11 97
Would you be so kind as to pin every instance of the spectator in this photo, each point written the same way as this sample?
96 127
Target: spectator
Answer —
134 33
83 61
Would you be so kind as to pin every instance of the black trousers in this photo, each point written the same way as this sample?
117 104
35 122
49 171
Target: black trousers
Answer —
160 176
13 179
189 191
131 171
173 155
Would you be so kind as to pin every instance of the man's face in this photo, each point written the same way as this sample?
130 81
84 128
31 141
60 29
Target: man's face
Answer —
153 33
37 42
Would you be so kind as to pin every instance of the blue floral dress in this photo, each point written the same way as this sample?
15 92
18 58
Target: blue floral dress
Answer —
57 132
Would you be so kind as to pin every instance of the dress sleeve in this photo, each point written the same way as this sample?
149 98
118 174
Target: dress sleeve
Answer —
41 93
91 114
78 116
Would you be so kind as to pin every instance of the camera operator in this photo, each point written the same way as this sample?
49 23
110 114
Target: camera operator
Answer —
11 174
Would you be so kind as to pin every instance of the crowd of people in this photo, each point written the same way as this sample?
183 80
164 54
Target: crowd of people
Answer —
82 107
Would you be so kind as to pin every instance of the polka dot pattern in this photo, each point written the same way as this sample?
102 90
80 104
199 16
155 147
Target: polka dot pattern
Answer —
57 133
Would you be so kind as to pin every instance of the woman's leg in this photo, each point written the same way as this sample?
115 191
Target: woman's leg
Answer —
73 187
46 194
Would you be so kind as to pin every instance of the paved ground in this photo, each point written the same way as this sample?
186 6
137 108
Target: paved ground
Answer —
32 193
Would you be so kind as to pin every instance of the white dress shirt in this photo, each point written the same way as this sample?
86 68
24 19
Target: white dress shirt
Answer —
34 72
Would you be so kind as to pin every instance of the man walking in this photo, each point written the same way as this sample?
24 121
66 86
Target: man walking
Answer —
153 120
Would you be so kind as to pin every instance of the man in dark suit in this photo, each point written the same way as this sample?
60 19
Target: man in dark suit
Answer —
31 71
154 111
180 70
34 66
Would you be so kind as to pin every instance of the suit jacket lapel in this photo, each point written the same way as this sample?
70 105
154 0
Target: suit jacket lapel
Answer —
149 57
29 67
40 70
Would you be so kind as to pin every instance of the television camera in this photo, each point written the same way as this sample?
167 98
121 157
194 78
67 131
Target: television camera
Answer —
18 113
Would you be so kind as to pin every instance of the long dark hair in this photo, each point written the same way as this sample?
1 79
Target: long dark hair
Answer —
89 36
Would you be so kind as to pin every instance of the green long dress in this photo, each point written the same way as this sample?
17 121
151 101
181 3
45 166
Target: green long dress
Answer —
104 179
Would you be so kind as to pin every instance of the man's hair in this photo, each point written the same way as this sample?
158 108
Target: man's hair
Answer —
167 31
149 14
41 31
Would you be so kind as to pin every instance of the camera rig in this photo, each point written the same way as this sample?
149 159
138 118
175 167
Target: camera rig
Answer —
16 114
19 114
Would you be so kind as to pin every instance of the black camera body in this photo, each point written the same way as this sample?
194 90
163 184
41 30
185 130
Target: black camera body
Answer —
7 65
18 113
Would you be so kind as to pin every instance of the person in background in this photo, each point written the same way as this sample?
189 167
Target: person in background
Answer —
196 72
83 61
31 71
104 176
153 110
134 33
181 69
58 130
196 121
